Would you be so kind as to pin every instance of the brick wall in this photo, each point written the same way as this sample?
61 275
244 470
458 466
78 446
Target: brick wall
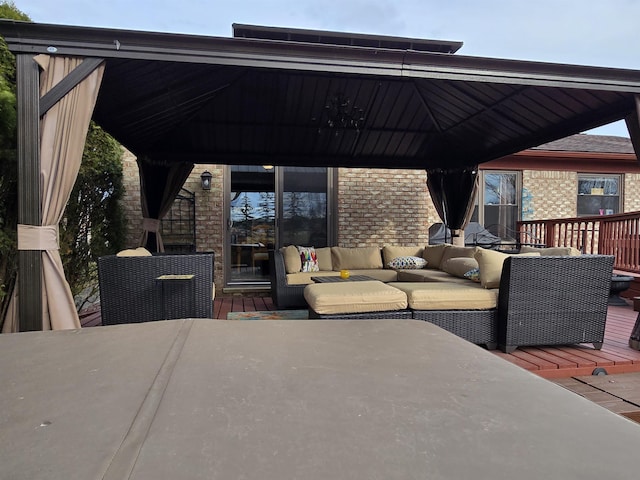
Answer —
631 192
210 215
381 206
549 194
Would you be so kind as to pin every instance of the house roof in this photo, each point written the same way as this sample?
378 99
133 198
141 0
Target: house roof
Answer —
590 144
186 98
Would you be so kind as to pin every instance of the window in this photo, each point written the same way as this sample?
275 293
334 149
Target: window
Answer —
598 194
499 194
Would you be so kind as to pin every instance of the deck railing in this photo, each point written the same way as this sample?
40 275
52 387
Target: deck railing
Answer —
617 235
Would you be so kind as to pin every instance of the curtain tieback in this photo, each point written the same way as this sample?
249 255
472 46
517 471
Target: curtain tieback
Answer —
33 237
151 224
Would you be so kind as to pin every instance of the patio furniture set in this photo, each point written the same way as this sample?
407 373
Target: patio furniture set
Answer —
484 296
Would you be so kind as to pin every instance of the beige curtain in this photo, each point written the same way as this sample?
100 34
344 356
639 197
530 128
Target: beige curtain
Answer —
63 130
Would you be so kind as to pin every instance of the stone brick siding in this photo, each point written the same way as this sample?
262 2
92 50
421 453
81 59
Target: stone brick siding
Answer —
631 192
210 216
549 194
381 206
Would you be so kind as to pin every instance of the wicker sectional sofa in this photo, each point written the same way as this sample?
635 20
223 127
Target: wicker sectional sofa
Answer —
559 297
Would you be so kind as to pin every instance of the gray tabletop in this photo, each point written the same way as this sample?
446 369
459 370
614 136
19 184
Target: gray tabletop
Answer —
209 399
338 278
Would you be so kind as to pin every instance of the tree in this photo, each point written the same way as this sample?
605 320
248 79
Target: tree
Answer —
93 224
8 163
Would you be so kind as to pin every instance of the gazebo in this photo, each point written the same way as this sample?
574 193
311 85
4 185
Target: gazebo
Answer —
279 97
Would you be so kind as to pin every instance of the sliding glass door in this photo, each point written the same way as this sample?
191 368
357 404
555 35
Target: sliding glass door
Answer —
269 207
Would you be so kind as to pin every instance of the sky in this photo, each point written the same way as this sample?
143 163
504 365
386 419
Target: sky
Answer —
603 33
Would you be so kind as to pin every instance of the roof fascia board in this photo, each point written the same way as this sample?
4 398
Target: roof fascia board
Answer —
111 43
492 70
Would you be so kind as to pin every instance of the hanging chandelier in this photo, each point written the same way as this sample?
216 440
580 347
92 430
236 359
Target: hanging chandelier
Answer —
343 114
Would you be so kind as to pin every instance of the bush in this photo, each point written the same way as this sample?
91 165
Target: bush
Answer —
93 223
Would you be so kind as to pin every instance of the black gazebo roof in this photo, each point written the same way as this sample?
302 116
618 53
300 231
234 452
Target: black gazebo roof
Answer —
287 98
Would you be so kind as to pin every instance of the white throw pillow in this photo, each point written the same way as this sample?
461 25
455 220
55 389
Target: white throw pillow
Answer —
407 263
309 259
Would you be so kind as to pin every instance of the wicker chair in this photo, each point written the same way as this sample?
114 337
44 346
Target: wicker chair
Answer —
283 295
553 300
131 293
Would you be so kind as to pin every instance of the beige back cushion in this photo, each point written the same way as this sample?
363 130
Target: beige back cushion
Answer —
134 252
292 262
457 252
490 265
345 258
324 259
390 252
551 251
459 266
433 254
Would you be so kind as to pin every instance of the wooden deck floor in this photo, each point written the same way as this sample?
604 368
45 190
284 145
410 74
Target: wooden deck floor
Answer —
569 361
548 362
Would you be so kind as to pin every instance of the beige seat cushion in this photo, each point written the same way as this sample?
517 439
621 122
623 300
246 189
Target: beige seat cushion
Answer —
426 275
304 278
354 297
447 296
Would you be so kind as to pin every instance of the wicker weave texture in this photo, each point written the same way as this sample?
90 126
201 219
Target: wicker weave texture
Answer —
283 295
476 326
130 293
553 300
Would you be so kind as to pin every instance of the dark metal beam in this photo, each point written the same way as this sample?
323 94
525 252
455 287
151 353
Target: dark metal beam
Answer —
633 125
29 195
78 74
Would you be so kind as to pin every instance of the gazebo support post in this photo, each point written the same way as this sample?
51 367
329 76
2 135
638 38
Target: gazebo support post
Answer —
29 201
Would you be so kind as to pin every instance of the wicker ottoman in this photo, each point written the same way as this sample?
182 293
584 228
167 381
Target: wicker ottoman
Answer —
466 310
355 300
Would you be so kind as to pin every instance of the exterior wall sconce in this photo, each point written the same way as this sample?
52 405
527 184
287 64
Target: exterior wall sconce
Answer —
205 178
